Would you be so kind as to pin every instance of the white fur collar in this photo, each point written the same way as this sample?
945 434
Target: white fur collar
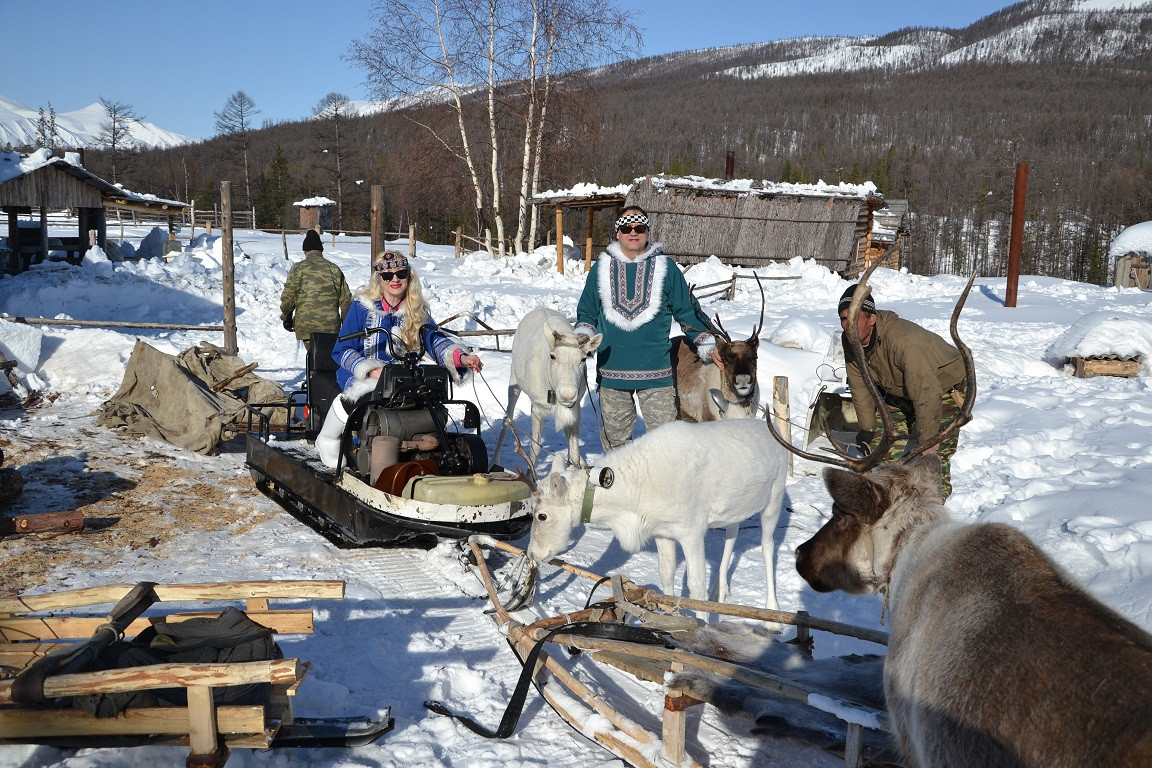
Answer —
373 305
653 292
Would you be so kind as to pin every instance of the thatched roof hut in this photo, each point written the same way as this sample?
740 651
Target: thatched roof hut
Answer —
750 223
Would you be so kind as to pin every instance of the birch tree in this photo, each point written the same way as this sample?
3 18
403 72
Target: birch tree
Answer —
493 62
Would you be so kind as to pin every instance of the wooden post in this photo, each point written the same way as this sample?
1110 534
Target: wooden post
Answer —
459 242
192 220
284 241
229 270
588 241
674 722
377 234
782 411
1016 239
203 735
411 241
560 239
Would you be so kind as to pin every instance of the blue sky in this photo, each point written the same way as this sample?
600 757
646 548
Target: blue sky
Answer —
177 63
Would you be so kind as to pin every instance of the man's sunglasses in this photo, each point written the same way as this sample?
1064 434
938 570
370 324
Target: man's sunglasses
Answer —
400 274
628 229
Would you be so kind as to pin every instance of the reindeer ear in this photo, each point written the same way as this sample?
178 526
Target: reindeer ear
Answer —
555 339
926 470
558 464
856 494
593 344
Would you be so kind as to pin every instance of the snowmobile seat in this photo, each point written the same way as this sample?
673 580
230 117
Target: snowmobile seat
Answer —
322 386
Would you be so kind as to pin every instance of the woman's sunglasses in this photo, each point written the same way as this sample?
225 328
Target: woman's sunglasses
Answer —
400 274
628 229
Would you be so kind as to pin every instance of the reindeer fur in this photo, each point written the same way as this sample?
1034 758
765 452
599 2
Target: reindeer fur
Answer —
705 392
673 484
548 359
996 658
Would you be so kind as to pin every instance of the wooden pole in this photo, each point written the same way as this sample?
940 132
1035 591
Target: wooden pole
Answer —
411 241
588 241
783 413
376 227
1016 239
459 242
560 239
284 241
229 269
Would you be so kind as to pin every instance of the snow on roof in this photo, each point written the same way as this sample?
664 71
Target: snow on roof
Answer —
1105 334
1137 237
750 186
14 165
315 202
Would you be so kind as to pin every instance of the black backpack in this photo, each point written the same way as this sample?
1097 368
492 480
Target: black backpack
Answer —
229 637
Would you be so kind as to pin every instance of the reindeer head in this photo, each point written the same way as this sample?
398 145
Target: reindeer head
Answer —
871 512
558 502
567 353
738 358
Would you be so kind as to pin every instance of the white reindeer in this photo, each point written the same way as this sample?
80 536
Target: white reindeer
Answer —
672 484
548 359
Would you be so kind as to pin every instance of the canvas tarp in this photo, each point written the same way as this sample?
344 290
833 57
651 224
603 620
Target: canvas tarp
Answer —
170 397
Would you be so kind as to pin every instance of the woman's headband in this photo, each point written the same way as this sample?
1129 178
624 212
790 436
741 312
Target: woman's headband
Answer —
390 261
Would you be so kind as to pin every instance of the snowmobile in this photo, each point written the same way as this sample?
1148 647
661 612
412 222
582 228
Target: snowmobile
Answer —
412 462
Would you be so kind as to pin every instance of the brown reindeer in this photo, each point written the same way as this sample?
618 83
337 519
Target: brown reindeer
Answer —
709 392
996 657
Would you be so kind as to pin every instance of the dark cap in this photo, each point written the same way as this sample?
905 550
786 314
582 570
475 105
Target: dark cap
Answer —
312 241
868 305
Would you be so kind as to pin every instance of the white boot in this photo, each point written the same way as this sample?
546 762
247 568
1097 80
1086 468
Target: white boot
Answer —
328 441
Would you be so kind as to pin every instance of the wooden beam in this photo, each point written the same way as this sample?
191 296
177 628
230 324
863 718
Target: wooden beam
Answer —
17 628
236 590
21 725
153 676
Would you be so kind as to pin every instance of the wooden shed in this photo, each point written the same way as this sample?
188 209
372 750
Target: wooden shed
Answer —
749 223
315 213
33 186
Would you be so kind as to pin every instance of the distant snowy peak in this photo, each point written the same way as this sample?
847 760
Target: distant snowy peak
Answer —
76 129
1082 31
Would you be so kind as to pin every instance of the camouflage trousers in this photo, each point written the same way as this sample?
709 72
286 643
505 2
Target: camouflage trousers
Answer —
904 420
618 411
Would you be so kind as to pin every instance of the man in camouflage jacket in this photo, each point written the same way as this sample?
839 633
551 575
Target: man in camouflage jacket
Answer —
316 295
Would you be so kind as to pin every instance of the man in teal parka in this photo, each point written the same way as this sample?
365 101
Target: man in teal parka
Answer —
632 294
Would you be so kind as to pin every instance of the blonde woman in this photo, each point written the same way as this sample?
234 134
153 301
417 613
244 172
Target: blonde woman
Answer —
392 305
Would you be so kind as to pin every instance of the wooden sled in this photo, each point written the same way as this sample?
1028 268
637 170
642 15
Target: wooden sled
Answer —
35 626
865 740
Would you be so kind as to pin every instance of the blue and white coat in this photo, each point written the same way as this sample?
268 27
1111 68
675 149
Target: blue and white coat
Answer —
360 355
633 302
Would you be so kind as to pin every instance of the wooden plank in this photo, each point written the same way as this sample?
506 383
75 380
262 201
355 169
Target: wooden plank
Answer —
111 593
24 724
16 628
277 671
1087 367
202 733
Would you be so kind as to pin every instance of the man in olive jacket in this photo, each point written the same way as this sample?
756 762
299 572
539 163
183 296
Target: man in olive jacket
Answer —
920 375
315 296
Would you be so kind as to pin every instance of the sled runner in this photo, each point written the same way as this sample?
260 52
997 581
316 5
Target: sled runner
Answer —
637 644
388 486
209 679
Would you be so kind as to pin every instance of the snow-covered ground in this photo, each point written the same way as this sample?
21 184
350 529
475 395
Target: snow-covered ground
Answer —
1064 459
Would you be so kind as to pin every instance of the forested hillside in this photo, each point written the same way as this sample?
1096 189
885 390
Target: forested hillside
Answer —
937 117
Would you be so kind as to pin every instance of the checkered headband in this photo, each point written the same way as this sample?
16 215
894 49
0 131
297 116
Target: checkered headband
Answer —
390 261
631 218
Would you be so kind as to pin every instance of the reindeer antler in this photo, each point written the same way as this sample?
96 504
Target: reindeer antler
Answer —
890 434
757 328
